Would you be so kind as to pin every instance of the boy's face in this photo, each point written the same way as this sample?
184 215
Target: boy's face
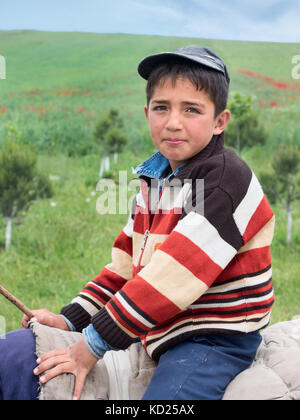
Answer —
182 120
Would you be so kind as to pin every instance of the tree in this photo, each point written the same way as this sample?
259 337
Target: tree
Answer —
283 184
20 182
244 130
109 137
115 141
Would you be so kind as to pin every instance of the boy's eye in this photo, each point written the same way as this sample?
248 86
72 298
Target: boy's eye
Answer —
159 108
193 110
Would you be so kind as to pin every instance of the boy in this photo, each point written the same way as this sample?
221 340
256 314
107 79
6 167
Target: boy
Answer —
190 277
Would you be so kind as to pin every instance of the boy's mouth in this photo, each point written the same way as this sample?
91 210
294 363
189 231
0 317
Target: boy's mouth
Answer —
174 141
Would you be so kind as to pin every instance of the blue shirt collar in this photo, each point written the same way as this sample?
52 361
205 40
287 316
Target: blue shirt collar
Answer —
157 166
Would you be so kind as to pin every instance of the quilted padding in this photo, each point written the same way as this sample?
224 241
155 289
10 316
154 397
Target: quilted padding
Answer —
275 372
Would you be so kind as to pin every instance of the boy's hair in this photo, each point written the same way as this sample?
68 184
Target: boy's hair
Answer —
212 82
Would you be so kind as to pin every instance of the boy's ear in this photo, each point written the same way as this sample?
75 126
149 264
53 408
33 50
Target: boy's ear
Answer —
146 112
221 121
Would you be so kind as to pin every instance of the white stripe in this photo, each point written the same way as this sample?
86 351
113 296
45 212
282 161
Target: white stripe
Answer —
262 298
132 311
105 291
203 234
128 229
235 303
86 305
244 282
248 205
140 200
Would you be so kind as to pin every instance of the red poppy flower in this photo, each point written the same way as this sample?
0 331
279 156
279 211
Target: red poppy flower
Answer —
277 83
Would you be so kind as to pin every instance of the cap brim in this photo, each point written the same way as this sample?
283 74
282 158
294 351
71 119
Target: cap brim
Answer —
146 66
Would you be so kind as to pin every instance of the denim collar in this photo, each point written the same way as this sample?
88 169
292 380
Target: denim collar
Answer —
157 167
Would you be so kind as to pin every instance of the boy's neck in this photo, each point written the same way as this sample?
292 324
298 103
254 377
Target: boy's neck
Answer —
176 165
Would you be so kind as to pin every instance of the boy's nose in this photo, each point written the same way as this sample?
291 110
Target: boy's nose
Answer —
174 122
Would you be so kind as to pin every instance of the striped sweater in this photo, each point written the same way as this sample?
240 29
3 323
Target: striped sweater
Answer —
187 265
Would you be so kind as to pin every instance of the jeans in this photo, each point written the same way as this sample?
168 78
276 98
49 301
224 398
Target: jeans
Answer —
17 361
201 367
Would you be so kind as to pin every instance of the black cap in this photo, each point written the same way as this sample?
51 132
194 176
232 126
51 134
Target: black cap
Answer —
201 55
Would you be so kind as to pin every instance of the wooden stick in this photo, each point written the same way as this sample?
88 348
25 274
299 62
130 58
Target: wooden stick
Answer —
16 302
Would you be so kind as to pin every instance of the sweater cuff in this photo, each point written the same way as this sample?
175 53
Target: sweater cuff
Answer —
110 332
78 316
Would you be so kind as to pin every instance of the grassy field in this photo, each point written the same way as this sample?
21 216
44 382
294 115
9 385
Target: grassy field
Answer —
57 86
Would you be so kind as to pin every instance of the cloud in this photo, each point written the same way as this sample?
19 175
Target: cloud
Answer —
270 20
258 20
158 10
282 28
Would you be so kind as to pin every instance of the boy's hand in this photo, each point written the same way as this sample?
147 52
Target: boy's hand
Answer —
46 318
76 359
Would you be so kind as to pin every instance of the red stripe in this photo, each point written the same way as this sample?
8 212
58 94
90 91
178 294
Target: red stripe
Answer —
260 303
259 219
165 222
140 221
124 243
252 261
224 316
224 310
237 307
111 280
221 297
191 257
258 289
150 300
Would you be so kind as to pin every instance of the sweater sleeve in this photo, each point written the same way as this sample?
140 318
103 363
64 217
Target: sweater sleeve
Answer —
112 278
179 272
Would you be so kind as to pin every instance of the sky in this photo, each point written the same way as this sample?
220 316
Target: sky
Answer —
253 20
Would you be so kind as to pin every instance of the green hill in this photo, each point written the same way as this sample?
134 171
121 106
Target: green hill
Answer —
57 86
52 78
46 60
